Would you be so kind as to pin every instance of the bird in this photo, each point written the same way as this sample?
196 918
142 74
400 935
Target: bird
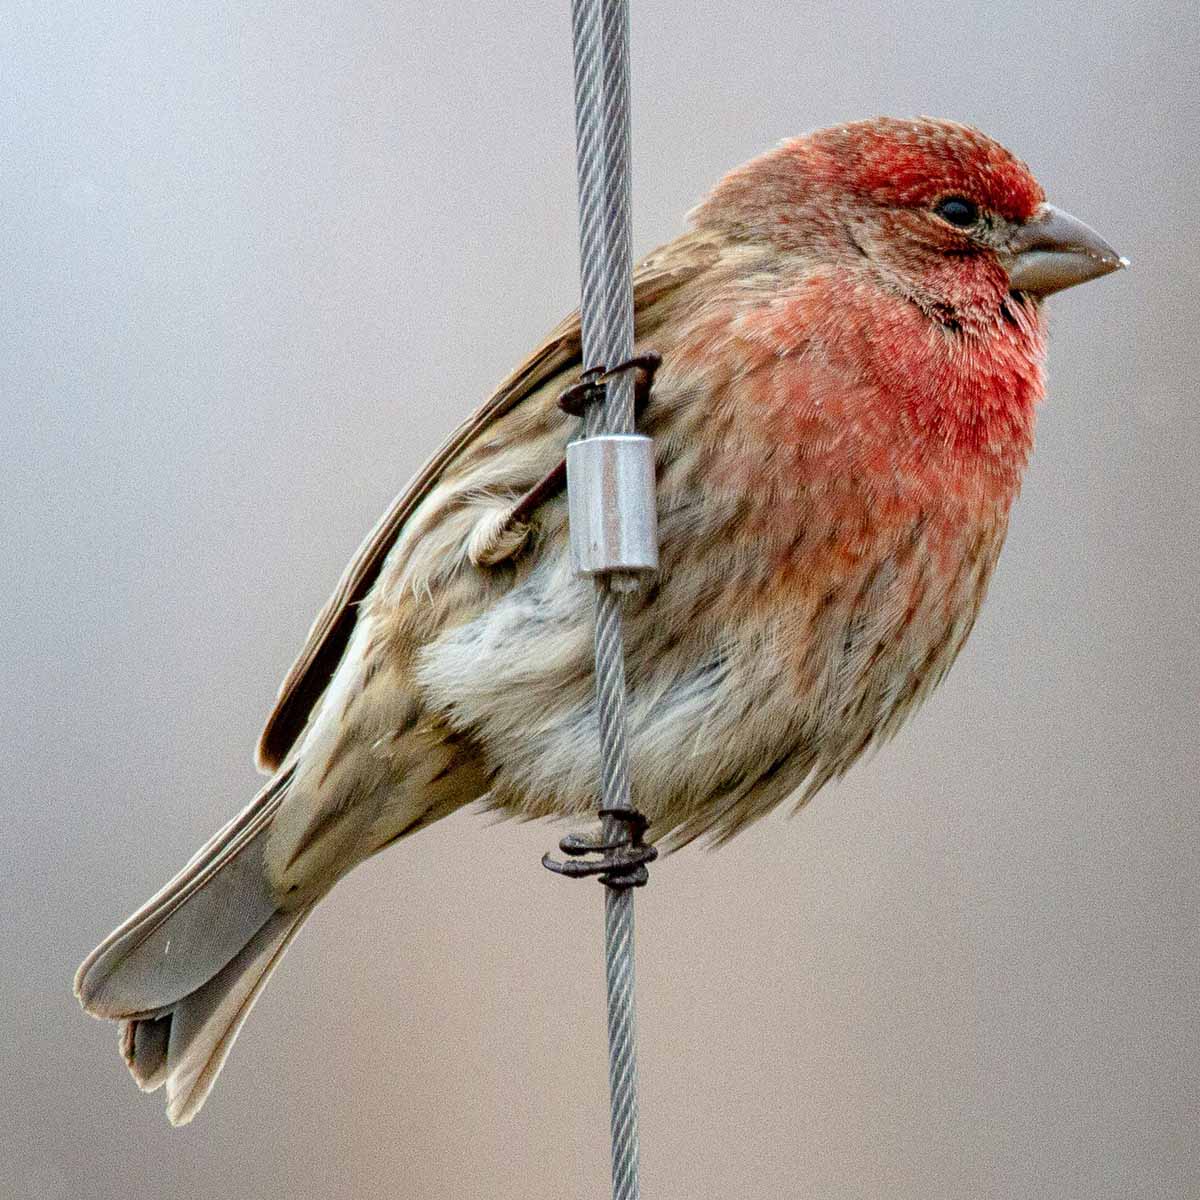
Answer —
849 339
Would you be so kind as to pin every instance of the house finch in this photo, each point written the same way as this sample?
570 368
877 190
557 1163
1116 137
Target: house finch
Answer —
852 339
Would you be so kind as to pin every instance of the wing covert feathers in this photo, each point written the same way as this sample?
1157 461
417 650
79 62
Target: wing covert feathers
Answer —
659 274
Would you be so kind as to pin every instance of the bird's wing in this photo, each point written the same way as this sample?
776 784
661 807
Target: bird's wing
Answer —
659 274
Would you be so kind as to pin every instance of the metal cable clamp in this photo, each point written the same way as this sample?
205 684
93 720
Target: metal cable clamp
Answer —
611 504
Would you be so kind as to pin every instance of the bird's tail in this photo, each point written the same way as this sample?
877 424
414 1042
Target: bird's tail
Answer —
182 974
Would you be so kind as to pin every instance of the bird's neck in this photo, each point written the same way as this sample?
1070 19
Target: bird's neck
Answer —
962 387
853 390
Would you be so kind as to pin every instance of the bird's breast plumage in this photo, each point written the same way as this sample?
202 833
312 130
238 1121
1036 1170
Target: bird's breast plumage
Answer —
827 533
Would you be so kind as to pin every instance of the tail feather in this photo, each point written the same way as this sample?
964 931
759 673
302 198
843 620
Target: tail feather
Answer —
186 1047
184 971
208 911
144 1049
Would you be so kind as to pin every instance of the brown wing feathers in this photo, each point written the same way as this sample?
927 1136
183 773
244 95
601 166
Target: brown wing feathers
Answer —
678 263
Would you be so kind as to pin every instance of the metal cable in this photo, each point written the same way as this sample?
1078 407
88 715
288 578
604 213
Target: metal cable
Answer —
601 43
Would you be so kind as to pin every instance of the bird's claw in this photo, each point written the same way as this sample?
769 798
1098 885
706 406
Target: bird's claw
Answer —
504 535
621 861
590 388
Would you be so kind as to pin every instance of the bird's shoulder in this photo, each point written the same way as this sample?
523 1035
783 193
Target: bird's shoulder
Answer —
660 280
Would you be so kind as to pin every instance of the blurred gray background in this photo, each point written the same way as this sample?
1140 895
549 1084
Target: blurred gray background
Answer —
258 259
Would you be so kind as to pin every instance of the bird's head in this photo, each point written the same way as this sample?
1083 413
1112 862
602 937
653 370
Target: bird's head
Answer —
931 208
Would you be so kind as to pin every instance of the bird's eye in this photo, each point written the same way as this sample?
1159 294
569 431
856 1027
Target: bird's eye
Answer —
958 210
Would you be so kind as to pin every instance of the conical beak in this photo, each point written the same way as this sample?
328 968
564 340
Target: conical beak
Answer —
1054 250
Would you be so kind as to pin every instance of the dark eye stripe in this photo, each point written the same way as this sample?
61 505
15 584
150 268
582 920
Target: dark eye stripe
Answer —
958 210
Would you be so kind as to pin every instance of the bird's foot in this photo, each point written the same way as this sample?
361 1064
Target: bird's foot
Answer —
576 399
621 856
503 535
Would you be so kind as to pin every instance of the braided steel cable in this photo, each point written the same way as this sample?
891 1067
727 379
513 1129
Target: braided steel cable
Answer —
601 45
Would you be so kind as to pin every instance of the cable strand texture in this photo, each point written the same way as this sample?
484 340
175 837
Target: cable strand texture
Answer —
600 31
